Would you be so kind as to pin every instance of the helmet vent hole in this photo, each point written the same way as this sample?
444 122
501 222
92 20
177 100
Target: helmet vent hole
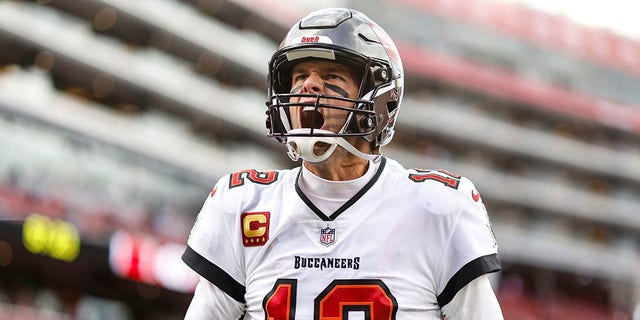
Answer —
392 105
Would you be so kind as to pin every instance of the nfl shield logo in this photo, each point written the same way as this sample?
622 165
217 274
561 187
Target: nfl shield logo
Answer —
327 236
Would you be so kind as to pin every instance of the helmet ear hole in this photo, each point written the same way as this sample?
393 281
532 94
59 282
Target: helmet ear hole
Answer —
368 122
380 74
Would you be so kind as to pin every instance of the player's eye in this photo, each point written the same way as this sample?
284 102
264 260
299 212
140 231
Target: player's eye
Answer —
299 77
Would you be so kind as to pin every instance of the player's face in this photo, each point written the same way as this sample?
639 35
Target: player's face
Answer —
327 78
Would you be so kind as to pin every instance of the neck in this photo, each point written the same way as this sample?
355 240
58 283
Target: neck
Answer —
339 168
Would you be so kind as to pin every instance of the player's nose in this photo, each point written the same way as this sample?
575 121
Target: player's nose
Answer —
313 83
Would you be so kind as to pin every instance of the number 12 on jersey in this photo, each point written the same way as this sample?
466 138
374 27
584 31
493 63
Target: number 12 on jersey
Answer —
370 297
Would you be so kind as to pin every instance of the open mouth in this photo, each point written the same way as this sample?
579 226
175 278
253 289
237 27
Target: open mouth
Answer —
311 118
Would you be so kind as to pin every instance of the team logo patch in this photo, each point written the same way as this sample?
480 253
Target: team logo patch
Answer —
255 228
327 236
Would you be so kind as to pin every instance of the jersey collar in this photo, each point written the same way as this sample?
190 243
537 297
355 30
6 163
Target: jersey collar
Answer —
348 203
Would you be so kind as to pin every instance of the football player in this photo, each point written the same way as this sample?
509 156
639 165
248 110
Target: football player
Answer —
349 234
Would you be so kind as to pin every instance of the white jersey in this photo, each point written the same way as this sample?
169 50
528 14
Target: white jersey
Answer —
400 248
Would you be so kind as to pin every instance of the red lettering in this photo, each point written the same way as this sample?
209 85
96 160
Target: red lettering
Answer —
260 177
310 39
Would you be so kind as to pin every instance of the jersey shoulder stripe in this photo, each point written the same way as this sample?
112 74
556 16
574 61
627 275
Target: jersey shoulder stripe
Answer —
214 274
472 270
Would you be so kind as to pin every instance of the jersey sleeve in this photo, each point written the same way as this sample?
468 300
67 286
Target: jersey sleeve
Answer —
475 301
212 249
471 248
209 302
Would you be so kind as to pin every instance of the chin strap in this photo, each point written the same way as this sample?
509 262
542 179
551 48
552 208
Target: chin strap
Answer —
302 147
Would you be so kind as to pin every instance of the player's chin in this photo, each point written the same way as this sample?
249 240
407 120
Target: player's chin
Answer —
320 148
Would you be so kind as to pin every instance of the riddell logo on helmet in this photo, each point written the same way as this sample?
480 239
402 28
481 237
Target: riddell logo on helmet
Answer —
310 39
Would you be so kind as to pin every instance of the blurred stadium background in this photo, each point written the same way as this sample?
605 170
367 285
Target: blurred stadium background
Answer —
117 116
